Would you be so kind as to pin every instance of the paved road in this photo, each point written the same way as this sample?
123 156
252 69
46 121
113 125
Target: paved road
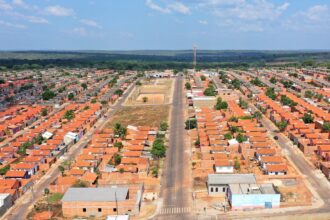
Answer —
22 205
175 182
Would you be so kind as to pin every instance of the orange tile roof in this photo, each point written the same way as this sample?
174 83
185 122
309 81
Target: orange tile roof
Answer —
272 159
14 173
277 168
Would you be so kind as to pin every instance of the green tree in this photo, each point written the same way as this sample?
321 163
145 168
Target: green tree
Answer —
191 123
203 78
119 145
163 126
308 118
242 103
236 83
273 80
145 99
61 169
4 170
84 86
233 119
287 101
210 91
71 96
241 138
309 94
119 130
234 129
158 149
2 81
48 94
257 82
188 86
221 104
228 136
257 115
319 97
46 191
119 92
44 111
270 93
117 159
69 115
154 171
326 126
282 125
23 147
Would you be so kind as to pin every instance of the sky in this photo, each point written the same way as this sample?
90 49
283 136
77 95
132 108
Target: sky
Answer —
164 24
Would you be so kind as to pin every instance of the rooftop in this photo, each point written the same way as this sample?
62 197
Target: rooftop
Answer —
101 194
231 179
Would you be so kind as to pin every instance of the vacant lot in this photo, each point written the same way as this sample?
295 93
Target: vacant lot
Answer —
141 115
151 92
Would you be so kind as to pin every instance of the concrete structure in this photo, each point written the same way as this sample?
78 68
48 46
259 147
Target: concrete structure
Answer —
101 202
5 202
251 196
242 191
219 183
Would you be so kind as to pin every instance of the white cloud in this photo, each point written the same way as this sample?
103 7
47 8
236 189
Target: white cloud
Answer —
173 6
91 23
156 7
246 15
255 10
11 25
204 22
20 3
60 11
317 13
179 7
316 17
5 6
219 2
29 18
80 31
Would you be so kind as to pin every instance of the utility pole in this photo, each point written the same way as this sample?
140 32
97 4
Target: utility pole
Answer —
116 202
195 56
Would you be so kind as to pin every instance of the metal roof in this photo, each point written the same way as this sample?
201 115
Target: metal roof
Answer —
101 194
231 178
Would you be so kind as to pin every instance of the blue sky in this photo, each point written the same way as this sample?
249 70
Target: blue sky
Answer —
164 24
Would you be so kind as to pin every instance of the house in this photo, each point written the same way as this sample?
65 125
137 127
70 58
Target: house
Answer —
13 174
224 166
218 184
29 167
266 160
264 152
276 169
102 201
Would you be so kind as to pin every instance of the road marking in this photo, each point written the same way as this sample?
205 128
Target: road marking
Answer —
174 210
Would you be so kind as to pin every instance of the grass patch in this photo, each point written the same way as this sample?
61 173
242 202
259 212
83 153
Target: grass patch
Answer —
55 197
141 116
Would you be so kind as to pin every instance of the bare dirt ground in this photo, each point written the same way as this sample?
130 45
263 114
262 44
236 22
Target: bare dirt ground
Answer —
151 92
141 116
